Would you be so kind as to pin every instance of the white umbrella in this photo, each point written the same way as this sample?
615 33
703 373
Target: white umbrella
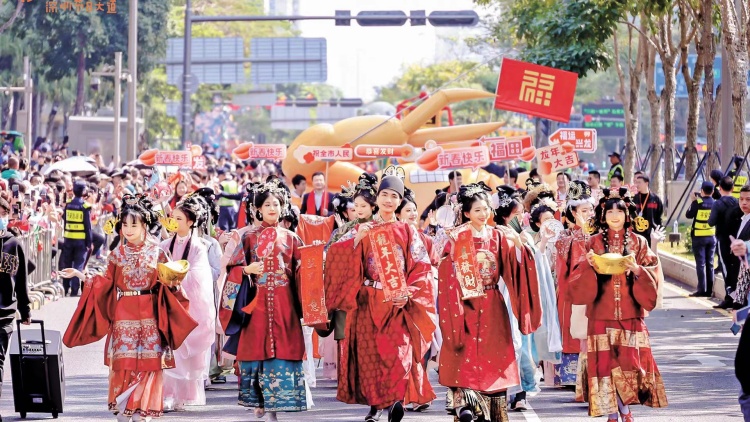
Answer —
79 166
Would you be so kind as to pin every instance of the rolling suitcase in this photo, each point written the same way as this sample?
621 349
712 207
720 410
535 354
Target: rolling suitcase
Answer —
37 371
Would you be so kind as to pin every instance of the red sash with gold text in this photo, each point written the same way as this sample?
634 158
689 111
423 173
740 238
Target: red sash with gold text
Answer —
467 268
390 272
311 284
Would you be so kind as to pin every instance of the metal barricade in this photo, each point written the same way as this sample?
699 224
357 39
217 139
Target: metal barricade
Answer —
37 245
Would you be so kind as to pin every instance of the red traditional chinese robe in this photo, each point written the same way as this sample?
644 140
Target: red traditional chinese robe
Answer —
380 358
620 361
273 328
571 250
138 328
477 351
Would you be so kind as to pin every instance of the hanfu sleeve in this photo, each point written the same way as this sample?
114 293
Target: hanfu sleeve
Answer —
583 286
449 300
94 314
645 290
421 305
344 273
523 284
174 321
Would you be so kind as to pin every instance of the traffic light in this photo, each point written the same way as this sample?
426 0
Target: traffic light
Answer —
382 18
416 17
453 18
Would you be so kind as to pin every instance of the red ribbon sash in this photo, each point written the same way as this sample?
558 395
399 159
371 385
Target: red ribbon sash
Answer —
390 272
467 266
314 309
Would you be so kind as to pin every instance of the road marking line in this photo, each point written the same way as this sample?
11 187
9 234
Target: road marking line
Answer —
530 415
708 304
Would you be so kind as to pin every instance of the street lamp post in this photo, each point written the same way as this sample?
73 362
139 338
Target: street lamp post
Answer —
28 94
132 135
119 76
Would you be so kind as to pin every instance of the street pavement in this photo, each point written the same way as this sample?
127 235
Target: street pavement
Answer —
692 344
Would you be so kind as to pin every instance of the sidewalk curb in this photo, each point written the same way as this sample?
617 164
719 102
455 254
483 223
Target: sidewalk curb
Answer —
683 270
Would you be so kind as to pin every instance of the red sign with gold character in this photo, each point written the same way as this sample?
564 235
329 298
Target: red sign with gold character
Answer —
314 309
466 265
536 90
390 272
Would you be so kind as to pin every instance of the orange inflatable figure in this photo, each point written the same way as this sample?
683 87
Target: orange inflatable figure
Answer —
385 131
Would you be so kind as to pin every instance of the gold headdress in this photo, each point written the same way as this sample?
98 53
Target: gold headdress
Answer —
395 171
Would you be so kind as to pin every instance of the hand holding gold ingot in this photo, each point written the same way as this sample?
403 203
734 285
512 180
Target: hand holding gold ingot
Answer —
173 272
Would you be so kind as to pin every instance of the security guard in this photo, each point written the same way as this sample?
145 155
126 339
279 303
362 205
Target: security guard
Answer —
704 240
227 206
77 234
740 180
616 168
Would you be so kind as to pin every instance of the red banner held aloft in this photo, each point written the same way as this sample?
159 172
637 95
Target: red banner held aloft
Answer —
536 90
313 299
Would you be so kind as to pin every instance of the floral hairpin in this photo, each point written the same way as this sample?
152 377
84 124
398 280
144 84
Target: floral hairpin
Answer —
503 199
130 200
548 202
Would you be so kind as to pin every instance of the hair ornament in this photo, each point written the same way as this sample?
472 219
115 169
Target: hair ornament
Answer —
548 202
395 171
578 190
349 190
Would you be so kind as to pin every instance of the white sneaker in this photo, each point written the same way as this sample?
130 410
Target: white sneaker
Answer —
520 405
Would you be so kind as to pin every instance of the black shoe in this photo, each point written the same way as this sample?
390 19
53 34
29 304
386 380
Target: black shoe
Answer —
465 415
736 306
698 294
374 414
221 379
396 412
725 304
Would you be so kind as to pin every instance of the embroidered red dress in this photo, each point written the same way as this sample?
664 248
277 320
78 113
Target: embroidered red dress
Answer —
381 354
619 352
142 320
477 351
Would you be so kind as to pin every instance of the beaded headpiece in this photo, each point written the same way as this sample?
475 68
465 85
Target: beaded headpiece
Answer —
578 190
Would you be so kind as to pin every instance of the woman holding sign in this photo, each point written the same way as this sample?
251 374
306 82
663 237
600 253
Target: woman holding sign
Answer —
260 302
477 360
378 274
619 290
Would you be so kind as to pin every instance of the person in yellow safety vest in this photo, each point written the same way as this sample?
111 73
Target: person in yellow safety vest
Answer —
616 168
739 182
77 237
704 240
227 203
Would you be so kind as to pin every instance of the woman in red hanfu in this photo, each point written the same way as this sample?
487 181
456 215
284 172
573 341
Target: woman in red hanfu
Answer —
143 319
477 360
386 336
261 308
621 368
571 250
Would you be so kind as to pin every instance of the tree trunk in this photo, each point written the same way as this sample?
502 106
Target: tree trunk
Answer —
36 112
631 99
654 103
81 72
51 120
668 58
706 48
734 39
693 84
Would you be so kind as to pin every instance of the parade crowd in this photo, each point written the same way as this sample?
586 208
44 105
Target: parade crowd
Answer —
194 275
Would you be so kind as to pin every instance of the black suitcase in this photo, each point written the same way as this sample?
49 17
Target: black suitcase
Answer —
37 371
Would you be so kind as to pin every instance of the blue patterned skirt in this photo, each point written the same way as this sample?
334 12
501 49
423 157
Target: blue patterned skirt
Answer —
566 371
274 384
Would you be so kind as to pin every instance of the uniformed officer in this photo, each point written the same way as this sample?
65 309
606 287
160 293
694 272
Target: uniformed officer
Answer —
227 206
77 235
616 168
704 240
